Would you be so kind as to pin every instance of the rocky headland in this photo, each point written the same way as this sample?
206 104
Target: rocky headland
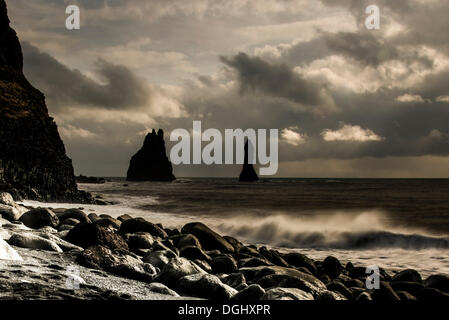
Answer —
151 163
33 161
132 258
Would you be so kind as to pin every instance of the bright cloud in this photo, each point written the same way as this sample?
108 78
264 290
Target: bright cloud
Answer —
350 133
407 98
291 136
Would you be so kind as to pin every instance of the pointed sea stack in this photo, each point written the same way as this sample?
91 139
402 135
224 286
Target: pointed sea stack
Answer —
151 162
248 173
33 161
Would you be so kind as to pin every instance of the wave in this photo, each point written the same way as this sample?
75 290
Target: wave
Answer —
337 231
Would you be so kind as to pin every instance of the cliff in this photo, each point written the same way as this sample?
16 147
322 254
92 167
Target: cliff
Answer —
33 162
150 163
248 173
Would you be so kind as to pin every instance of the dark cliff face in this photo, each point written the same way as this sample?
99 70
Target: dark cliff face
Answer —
151 163
248 173
33 162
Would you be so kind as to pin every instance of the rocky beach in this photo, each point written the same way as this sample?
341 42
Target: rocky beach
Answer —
68 254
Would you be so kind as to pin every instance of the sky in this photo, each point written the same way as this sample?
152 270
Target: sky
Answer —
347 101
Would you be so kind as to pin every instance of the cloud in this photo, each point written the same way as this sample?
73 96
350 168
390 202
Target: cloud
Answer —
350 133
255 74
292 137
71 132
116 88
407 98
442 99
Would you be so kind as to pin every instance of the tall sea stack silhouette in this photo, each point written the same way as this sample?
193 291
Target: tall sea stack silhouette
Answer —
248 173
33 161
151 163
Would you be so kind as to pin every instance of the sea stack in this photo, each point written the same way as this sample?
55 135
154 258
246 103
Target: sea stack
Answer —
151 163
33 161
248 173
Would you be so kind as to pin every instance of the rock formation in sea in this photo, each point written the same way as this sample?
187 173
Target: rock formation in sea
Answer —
248 173
151 163
33 162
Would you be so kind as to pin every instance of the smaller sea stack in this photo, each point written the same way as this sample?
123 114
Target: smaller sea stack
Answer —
248 173
151 163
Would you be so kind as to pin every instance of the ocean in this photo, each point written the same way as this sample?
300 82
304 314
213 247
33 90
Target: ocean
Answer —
392 223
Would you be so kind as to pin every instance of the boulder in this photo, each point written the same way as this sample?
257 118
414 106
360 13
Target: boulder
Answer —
70 222
185 240
175 269
405 296
330 296
209 239
9 213
301 281
124 217
159 258
203 265
205 286
438 281
223 264
150 163
433 295
408 275
116 262
332 267
162 289
141 225
274 257
74 214
140 240
108 222
8 253
414 288
64 245
234 280
299 260
7 199
254 262
337 286
385 293
38 218
364 296
193 252
88 234
286 294
31 241
234 242
252 292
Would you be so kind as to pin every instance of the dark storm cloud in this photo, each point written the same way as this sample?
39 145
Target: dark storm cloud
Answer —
276 80
63 86
365 47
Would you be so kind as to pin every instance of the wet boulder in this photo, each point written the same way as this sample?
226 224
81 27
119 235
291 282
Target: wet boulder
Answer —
252 292
209 239
38 218
88 234
205 286
141 225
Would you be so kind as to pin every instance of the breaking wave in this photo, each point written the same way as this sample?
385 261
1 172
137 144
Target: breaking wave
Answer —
337 231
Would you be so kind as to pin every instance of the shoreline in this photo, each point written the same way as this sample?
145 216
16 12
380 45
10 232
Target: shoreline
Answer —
191 262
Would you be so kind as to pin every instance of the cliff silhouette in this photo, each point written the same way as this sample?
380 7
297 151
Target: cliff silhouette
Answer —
33 161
